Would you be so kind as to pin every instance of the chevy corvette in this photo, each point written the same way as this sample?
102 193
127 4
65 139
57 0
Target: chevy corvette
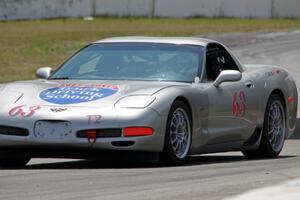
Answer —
172 96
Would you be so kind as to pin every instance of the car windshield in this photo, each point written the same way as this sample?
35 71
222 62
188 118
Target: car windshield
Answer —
134 61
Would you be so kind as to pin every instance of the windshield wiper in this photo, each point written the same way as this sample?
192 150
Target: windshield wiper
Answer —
61 78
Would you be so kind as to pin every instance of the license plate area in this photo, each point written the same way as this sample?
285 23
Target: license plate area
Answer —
52 129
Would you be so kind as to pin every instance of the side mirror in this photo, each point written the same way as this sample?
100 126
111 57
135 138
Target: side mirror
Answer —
44 72
228 76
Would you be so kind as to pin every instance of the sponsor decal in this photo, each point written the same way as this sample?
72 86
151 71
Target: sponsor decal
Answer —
77 93
23 111
273 73
276 71
239 104
94 119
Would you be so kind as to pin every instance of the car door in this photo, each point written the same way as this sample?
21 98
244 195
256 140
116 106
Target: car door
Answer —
232 105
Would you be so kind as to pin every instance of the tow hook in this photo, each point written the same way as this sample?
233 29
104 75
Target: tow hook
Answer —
92 136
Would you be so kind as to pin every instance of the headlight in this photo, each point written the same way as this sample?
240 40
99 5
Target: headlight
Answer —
135 101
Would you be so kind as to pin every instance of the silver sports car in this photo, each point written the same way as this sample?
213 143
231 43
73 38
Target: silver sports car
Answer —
170 96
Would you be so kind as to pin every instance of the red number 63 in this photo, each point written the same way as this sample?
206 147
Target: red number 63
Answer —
23 111
239 104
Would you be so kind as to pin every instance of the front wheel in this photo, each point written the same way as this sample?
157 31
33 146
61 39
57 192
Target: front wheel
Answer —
178 135
274 130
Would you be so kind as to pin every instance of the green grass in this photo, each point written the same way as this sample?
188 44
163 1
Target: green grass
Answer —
27 45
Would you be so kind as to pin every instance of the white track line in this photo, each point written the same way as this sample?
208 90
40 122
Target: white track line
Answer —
286 191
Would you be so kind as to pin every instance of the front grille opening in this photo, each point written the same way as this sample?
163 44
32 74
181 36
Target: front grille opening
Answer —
15 131
101 133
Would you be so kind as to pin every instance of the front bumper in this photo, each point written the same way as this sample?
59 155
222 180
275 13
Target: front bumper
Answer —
79 119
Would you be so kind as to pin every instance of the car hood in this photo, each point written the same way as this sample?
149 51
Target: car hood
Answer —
77 93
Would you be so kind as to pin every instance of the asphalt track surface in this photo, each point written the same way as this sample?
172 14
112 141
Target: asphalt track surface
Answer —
214 176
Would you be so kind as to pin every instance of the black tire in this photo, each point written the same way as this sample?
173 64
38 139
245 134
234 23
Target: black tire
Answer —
13 162
266 150
169 155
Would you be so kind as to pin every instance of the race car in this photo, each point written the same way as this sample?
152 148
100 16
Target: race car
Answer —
170 96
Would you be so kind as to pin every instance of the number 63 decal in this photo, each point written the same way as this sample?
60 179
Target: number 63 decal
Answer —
23 111
239 104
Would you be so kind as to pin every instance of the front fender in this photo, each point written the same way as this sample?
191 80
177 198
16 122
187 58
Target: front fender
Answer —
197 99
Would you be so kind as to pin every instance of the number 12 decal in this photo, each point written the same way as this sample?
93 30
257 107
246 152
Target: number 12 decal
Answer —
239 104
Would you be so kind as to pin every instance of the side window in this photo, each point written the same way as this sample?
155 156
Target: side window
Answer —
217 60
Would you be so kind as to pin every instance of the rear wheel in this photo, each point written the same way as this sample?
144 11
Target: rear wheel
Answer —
274 130
13 162
178 134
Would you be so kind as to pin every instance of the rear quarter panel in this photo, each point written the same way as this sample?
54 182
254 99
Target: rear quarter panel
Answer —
270 79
